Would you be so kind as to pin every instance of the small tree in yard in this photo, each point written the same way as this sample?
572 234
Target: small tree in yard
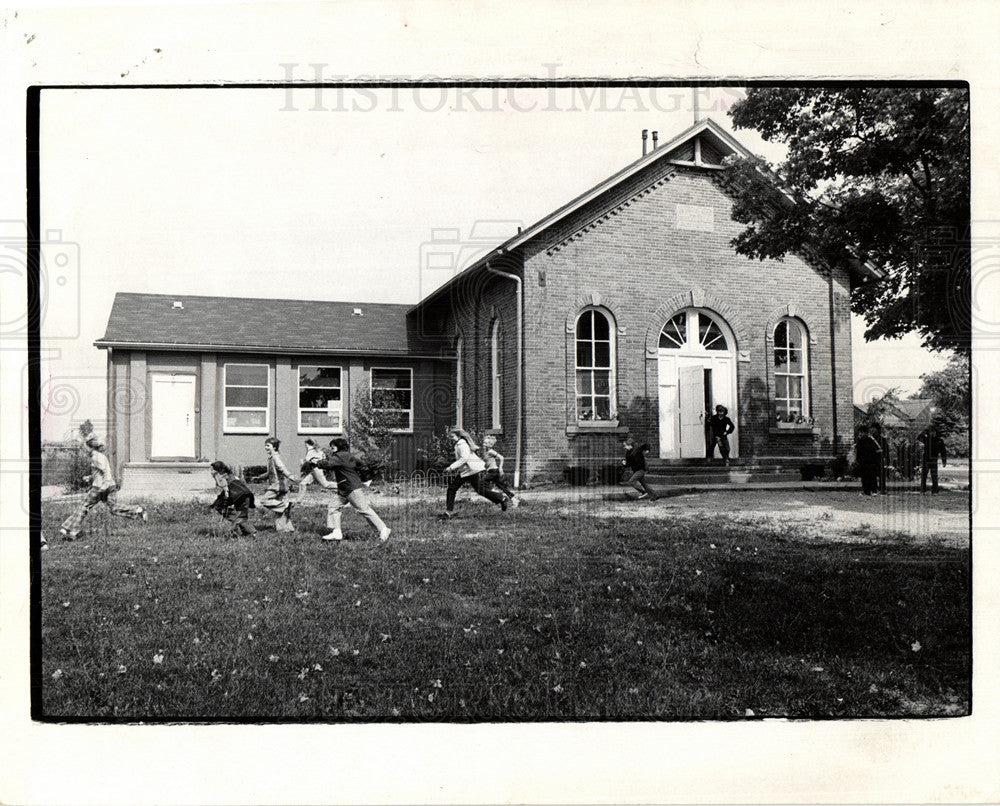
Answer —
79 461
370 433
950 389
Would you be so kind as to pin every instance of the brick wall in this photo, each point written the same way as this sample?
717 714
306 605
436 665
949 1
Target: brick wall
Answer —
625 253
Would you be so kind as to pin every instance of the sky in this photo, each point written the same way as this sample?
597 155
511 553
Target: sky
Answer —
330 194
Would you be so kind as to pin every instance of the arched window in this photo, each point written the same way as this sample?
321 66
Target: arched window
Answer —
791 372
459 381
595 366
693 330
496 373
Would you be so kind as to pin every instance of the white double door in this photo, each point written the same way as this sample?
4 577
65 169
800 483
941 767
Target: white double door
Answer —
172 407
690 387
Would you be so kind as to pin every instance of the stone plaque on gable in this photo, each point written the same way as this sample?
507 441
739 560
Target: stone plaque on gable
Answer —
697 217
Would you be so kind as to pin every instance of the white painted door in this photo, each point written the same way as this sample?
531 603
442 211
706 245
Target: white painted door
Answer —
668 407
691 390
173 414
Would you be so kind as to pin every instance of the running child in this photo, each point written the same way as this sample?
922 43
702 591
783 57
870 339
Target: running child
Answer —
494 469
468 468
350 489
102 488
235 500
635 461
276 496
309 472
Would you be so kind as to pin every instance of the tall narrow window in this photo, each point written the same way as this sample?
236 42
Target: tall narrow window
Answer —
595 370
496 373
459 381
392 397
246 399
320 400
791 372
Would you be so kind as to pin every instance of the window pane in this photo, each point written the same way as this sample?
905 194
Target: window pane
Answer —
317 398
585 408
249 396
390 379
780 358
397 419
795 388
584 354
781 386
673 335
795 361
319 376
781 335
602 354
781 412
602 383
246 375
246 419
584 326
602 407
583 383
319 419
710 333
391 398
601 329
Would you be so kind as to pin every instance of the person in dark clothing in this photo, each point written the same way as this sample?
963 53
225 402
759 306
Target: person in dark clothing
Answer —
235 500
886 457
635 461
868 455
720 428
933 448
351 490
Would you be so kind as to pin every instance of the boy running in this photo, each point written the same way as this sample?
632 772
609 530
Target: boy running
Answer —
351 490
102 488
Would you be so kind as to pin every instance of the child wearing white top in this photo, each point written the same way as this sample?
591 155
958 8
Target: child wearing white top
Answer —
469 468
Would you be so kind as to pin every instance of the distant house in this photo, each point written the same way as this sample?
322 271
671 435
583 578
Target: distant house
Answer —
909 416
626 309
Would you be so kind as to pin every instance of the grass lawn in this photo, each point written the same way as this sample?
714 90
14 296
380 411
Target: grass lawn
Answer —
537 614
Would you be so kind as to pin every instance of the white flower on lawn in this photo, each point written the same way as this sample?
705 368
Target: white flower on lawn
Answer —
303 698
697 572
915 646
302 675
122 669
57 674
384 636
356 652
65 604
317 667
272 658
198 576
334 651
158 658
583 664
426 580
437 683
557 688
357 603
502 621
196 640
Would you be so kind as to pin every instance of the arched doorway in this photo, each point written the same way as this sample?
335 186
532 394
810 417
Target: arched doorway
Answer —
697 372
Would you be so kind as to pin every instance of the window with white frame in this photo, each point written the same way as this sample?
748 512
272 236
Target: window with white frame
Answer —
321 404
595 367
496 373
459 382
247 398
392 397
791 372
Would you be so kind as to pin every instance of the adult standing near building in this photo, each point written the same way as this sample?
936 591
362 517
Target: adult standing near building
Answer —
720 428
886 457
103 487
868 455
468 469
932 449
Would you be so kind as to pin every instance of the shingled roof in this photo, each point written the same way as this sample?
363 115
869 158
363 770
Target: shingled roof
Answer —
167 321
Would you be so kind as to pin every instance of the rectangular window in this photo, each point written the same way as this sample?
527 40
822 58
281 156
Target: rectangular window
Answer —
321 405
392 397
247 398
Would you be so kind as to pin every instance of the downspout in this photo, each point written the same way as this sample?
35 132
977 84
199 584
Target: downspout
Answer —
520 369
833 367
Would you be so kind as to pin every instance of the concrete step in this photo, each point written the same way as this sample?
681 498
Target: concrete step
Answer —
723 476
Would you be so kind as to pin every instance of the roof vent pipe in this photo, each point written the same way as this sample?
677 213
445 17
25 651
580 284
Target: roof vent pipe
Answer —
645 136
656 137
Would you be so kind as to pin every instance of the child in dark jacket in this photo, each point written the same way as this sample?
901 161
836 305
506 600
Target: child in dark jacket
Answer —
351 490
635 461
235 500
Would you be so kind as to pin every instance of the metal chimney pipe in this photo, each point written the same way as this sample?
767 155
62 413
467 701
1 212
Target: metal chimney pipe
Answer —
656 136
645 136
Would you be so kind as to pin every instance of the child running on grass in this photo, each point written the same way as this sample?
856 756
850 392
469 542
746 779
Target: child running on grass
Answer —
635 461
235 500
310 472
350 489
468 468
494 469
276 496
102 488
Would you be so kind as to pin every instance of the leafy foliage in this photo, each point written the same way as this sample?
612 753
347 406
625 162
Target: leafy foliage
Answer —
878 174
951 391
370 434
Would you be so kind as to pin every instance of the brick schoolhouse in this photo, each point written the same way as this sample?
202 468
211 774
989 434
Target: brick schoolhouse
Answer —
625 310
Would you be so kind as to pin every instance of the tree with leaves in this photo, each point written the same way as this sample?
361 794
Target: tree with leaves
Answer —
875 174
951 391
370 433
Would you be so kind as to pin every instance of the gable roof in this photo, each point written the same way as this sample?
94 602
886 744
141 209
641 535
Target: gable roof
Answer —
233 324
685 149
